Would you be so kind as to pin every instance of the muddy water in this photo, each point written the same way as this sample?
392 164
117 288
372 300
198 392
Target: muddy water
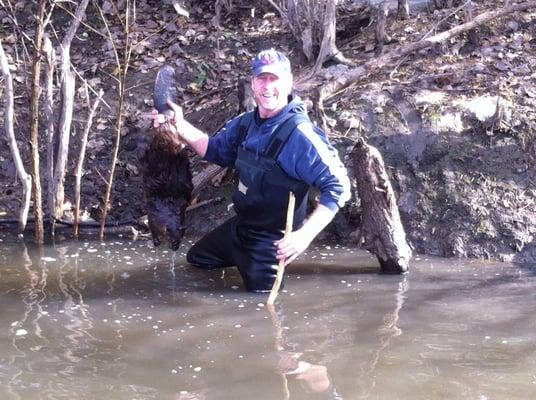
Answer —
119 320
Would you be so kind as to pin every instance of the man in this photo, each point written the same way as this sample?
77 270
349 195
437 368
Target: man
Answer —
275 149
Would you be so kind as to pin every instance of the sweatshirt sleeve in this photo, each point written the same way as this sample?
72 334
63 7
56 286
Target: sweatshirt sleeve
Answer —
222 146
310 157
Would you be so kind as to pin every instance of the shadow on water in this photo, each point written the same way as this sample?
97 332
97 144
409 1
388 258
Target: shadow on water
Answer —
121 320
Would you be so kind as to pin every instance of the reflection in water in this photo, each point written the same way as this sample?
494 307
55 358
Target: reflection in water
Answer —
305 379
18 328
386 333
121 320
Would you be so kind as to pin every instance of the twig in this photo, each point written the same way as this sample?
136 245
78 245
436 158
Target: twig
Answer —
203 203
122 72
78 174
281 266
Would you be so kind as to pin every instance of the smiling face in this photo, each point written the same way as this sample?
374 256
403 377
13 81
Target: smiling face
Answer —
271 92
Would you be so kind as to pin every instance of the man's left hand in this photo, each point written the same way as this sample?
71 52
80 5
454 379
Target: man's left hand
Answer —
289 248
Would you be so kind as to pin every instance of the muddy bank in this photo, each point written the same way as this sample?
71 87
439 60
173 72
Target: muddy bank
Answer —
453 123
463 169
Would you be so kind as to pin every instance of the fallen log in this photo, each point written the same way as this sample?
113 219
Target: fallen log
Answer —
326 90
381 230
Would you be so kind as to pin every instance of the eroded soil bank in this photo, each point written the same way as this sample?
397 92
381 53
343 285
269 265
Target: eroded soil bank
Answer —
454 123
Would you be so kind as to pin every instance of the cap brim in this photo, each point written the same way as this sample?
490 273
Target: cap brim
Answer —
270 69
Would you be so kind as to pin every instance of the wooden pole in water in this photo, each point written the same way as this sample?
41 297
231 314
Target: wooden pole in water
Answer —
281 266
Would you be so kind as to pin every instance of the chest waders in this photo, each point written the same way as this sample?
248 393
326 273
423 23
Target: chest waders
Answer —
247 240
262 195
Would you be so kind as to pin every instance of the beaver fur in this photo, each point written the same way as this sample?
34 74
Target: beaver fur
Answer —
167 185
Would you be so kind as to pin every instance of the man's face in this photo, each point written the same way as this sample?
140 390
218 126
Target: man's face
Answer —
271 93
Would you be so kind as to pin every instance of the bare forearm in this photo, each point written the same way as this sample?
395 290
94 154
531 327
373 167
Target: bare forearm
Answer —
317 221
177 126
291 246
196 139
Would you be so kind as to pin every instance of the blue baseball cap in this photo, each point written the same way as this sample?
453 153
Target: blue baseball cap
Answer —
271 61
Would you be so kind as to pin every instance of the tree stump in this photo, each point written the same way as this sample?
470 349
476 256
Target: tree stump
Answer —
381 230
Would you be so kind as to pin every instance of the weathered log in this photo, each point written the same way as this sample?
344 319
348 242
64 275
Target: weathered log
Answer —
381 229
87 228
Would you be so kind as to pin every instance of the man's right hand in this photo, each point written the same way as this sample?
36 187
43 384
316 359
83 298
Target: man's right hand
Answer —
180 129
176 117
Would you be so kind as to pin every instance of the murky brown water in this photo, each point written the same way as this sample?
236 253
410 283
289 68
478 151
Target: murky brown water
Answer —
117 320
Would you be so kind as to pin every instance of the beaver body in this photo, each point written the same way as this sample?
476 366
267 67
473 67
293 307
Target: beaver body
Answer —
167 186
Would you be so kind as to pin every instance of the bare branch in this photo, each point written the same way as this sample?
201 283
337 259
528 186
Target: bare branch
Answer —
75 23
79 167
10 132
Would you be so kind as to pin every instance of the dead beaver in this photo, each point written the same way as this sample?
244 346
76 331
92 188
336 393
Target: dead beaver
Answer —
167 186
167 177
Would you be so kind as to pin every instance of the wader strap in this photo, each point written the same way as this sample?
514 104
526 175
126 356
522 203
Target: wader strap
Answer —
282 133
243 126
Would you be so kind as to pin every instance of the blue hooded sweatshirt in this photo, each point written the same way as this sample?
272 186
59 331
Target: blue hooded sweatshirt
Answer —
307 156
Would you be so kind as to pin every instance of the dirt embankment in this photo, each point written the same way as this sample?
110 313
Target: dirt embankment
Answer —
454 123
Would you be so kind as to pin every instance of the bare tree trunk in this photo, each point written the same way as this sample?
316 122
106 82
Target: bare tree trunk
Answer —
403 9
381 21
34 123
328 48
381 228
313 23
25 178
473 35
80 165
49 118
123 69
67 103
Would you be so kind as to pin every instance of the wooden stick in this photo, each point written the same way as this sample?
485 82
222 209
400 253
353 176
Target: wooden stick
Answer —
281 266
279 344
